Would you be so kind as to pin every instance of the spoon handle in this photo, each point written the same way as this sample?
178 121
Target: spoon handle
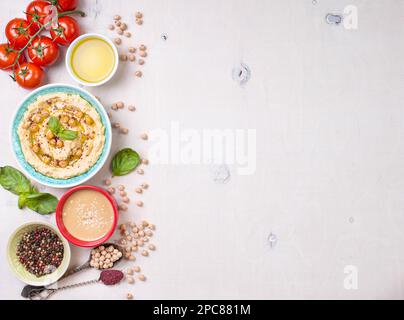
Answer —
43 294
75 270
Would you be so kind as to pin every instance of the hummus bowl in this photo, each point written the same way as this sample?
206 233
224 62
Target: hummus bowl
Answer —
61 135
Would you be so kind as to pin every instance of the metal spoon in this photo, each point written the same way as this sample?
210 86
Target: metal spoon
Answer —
107 277
29 290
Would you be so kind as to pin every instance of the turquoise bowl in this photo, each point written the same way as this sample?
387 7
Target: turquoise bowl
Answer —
16 145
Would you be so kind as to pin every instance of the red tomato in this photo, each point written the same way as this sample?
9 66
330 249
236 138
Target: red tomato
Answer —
8 56
18 32
66 31
66 5
37 13
43 51
29 75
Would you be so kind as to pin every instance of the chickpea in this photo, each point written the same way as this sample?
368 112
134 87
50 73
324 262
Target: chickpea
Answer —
123 57
131 280
89 120
72 122
79 114
62 163
111 27
139 22
107 182
127 34
123 194
138 190
132 49
46 159
111 190
118 41
119 31
142 47
139 203
37 118
142 277
126 200
26 125
60 144
144 136
132 108
36 148
132 57
149 233
64 119
117 17
136 269
143 54
121 187
141 62
44 113
79 153
152 247
138 74
129 296
140 171
52 142
123 26
34 128
145 162
124 130
138 15
120 104
49 135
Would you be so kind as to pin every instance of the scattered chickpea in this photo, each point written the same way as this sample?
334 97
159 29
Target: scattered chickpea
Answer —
123 207
142 277
111 27
152 247
141 62
120 104
123 193
121 187
107 182
111 190
138 15
117 41
132 49
89 120
124 130
49 135
117 17
149 233
60 144
131 280
140 171
138 190
52 142
129 296
141 233
136 269
139 203
118 23
119 31
145 253
144 136
123 57
127 34
139 22
138 74
142 47
145 162
132 258
132 57
114 107
129 271
126 200
116 125
123 26
132 108
152 227
144 185
143 54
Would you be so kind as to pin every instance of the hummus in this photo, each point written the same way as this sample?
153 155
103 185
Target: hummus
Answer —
52 155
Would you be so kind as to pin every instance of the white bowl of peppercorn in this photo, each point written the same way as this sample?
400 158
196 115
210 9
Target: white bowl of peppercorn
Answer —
38 254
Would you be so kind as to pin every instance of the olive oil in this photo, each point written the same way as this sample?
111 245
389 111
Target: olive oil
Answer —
92 60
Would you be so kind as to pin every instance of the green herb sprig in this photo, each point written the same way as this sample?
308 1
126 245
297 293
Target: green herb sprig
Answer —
14 181
124 162
57 129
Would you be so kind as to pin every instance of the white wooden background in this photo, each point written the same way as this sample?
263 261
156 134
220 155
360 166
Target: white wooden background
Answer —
327 104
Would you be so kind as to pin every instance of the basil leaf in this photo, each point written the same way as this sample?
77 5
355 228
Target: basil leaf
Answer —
124 162
67 134
54 125
14 181
22 200
43 203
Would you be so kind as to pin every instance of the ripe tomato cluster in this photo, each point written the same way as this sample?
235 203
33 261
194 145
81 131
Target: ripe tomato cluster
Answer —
28 51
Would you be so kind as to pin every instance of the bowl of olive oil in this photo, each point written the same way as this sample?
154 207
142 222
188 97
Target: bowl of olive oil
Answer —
92 59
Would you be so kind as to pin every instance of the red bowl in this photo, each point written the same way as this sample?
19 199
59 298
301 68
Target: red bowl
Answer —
67 235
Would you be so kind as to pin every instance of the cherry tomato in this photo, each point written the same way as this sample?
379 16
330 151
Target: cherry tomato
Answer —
66 5
8 57
29 75
43 51
37 13
66 31
18 32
